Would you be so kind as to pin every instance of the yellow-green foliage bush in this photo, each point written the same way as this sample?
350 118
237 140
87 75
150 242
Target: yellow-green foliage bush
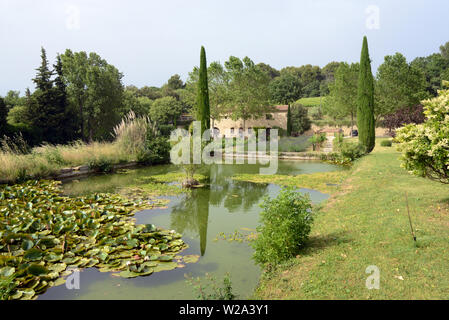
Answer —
425 146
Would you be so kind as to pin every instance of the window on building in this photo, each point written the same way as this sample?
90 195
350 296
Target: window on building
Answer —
232 130
250 130
269 116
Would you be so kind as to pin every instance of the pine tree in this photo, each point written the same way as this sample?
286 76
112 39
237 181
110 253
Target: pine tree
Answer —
365 101
48 112
3 115
65 118
203 107
289 122
43 78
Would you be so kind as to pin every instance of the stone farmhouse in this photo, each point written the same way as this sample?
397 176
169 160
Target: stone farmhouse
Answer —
226 127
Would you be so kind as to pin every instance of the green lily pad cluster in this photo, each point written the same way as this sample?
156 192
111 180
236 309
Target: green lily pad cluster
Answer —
43 235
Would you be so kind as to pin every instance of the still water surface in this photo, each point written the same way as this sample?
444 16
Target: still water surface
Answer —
225 206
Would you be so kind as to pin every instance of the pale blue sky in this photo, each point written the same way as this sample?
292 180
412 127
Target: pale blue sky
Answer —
151 40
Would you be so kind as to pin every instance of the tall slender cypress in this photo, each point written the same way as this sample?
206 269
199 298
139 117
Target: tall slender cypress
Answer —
203 107
289 122
365 101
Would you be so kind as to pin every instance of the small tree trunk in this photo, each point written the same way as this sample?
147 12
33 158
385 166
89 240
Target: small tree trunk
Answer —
352 122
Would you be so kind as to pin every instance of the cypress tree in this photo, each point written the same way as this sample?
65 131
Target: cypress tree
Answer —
203 108
365 101
289 122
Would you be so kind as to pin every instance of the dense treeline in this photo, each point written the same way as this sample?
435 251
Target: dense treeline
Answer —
82 97
399 85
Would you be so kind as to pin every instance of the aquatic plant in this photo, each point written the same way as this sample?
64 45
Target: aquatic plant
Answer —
209 289
44 234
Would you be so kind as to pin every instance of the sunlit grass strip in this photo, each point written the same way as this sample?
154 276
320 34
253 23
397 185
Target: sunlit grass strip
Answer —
326 182
47 160
366 224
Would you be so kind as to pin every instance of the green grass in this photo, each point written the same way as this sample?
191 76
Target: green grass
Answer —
366 223
18 163
326 182
311 102
47 160
169 184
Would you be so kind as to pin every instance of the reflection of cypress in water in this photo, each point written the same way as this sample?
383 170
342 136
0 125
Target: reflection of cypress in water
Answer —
203 220
192 213
203 214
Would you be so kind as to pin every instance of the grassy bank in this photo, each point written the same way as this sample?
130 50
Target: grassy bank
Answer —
365 223
312 101
326 182
136 138
47 160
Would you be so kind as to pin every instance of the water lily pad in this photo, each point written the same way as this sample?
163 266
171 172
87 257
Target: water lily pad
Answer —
59 282
37 270
51 257
27 294
91 231
27 244
165 258
33 254
191 259
129 274
57 267
7 271
17 295
165 266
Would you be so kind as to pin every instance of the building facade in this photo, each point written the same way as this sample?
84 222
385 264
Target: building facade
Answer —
229 128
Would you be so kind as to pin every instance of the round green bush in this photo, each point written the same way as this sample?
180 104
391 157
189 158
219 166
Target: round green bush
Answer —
386 143
286 224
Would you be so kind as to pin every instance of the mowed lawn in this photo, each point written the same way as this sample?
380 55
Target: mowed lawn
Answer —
312 102
365 223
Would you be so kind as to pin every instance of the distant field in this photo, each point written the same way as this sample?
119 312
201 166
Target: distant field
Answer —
311 102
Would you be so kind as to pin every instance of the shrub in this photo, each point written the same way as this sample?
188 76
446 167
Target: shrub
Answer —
166 129
346 153
156 151
386 143
338 141
300 121
317 141
352 151
286 223
101 164
315 113
425 146
402 117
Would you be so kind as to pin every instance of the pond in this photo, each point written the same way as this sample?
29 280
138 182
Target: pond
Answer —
224 207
